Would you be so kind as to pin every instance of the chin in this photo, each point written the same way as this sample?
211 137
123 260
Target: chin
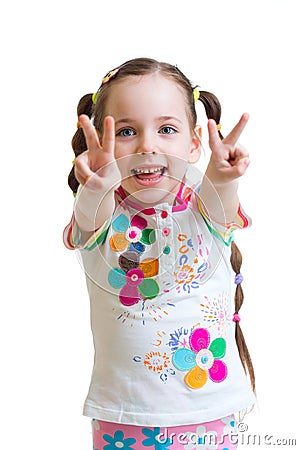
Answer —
151 196
148 196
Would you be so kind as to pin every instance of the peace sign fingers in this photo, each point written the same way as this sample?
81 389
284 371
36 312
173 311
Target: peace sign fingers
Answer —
93 165
229 160
90 133
100 153
234 135
108 140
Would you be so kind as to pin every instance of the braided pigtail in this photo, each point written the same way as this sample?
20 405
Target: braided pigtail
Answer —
236 262
85 106
213 111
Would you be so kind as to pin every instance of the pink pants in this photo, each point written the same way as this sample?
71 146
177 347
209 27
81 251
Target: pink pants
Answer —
220 434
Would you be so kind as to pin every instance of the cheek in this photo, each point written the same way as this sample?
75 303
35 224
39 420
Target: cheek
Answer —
177 163
123 167
125 163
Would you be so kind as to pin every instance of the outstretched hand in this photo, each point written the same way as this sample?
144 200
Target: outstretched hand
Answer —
229 160
96 168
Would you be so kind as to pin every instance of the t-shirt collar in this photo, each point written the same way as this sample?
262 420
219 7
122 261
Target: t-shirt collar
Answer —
180 203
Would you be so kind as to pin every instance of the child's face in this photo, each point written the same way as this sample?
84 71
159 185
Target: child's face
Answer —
154 141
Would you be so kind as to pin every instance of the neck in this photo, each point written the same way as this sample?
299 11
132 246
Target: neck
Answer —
148 199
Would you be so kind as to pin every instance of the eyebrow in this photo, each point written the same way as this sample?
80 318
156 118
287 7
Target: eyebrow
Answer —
169 118
158 119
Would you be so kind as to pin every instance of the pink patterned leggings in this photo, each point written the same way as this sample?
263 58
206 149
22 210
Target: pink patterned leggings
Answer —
217 435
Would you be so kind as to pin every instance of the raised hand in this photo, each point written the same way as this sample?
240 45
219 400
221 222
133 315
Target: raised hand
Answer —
96 169
229 160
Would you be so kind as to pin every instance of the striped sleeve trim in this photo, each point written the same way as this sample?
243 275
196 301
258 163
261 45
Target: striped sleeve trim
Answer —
224 232
72 236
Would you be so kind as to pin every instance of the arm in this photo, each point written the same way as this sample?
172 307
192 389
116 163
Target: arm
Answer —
98 175
228 162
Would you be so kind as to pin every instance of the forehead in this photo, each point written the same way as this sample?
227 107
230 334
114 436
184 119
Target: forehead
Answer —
153 93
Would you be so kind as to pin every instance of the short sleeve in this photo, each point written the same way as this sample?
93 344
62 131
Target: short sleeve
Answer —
72 237
224 231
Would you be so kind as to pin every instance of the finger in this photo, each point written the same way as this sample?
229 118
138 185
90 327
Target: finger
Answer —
87 177
238 153
108 138
241 166
82 170
234 135
90 133
214 139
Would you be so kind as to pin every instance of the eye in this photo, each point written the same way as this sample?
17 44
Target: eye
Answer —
167 130
126 132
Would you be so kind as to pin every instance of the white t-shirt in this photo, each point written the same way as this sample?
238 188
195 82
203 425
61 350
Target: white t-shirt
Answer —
160 286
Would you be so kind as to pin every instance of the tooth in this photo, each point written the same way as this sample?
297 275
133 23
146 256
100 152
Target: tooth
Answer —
150 170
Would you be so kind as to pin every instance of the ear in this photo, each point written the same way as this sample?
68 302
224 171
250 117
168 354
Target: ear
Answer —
195 150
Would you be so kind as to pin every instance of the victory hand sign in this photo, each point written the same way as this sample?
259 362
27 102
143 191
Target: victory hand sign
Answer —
228 161
96 168
98 174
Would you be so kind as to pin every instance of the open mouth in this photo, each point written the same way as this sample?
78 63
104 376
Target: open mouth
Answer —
149 175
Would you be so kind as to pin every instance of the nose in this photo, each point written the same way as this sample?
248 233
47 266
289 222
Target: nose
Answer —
146 145
147 153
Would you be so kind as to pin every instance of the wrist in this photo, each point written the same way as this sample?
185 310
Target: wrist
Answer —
219 177
93 208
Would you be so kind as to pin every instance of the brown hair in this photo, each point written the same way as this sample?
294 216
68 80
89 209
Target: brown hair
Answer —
236 262
139 67
145 66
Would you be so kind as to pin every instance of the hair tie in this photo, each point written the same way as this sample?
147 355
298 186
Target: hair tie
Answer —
79 124
219 126
236 317
94 97
196 94
238 278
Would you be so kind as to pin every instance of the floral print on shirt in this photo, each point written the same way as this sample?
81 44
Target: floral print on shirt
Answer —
133 276
202 360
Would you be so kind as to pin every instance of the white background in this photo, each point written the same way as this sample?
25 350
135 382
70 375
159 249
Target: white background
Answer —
247 53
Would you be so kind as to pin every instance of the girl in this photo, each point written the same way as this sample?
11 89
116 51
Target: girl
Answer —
168 373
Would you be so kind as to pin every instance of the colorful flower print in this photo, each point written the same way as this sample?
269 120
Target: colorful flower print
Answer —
179 339
131 235
217 312
156 361
117 441
184 274
134 284
202 359
189 273
155 439
230 424
202 439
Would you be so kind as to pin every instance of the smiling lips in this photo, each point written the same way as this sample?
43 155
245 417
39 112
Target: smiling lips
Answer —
148 175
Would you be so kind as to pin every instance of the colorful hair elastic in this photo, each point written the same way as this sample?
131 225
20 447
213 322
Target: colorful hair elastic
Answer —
236 317
238 278
109 76
196 94
94 97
